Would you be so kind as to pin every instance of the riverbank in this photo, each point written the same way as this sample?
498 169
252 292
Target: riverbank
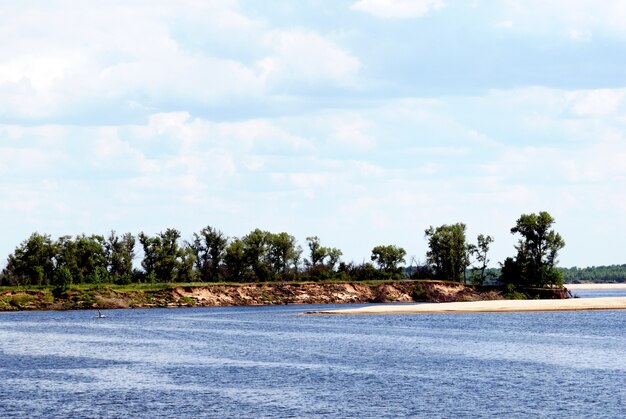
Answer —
204 295
572 304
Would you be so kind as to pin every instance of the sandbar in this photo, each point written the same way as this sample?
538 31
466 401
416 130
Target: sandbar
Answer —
490 306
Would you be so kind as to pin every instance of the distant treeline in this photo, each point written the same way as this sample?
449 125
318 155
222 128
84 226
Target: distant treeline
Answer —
597 274
263 256
611 273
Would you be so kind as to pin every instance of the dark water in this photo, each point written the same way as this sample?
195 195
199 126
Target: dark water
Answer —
269 362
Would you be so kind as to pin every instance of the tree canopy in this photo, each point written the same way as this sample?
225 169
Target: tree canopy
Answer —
479 251
537 251
388 258
448 253
211 256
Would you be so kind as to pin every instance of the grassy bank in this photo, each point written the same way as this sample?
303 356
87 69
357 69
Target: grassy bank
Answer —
229 294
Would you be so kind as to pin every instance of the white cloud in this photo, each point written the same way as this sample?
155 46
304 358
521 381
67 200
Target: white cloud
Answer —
307 58
504 24
364 169
186 88
404 9
57 60
40 71
310 181
262 136
549 104
583 36
597 102
601 163
351 132
574 19
19 160
254 163
482 139
134 58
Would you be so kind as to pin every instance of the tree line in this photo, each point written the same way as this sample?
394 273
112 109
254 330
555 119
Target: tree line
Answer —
611 273
263 256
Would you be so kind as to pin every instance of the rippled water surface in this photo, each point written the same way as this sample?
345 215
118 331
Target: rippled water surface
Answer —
599 293
270 361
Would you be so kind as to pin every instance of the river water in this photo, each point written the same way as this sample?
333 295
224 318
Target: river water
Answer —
249 362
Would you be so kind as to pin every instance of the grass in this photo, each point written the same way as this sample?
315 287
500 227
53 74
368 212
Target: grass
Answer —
160 286
89 296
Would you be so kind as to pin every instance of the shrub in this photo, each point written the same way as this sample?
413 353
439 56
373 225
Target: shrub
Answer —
419 293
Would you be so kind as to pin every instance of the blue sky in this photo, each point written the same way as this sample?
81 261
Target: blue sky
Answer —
359 121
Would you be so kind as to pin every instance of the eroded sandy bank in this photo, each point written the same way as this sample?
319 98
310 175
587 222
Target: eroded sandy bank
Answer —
605 303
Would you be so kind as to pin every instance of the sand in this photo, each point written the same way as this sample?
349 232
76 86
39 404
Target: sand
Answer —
604 303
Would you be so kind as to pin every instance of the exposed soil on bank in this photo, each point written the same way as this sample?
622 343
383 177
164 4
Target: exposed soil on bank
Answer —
248 295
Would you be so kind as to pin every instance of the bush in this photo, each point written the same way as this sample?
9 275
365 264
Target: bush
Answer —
61 280
20 301
419 293
511 293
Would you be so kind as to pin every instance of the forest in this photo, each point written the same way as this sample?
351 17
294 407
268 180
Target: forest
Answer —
602 274
263 256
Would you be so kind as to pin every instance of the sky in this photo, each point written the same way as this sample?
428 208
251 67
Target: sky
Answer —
362 122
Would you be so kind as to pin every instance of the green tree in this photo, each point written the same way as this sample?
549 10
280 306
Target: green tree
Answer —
235 261
209 249
322 260
164 260
120 253
320 255
388 258
255 249
334 256
61 280
317 253
187 259
480 251
84 256
283 254
537 251
32 262
448 254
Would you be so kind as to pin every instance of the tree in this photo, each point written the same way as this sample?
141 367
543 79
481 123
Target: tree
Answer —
448 252
32 262
537 251
61 280
164 260
255 250
317 253
120 253
235 261
387 258
209 249
479 251
85 258
334 255
322 260
283 254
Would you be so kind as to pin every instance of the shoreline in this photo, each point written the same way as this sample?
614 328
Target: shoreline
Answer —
492 306
253 294
246 294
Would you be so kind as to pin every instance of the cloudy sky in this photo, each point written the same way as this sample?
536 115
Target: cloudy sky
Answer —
359 121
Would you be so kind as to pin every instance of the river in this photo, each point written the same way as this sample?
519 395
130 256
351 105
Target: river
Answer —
274 362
